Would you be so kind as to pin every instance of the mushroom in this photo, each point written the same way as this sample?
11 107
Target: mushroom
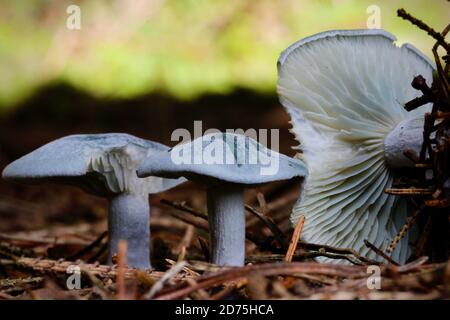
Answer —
226 164
104 165
345 91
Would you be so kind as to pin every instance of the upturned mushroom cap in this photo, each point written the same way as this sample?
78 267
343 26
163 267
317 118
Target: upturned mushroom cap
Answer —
223 157
102 164
345 91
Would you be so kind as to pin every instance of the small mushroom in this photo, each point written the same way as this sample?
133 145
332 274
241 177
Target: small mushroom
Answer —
226 164
104 165
345 92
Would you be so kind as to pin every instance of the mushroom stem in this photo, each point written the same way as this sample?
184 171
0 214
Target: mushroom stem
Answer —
129 218
407 135
227 225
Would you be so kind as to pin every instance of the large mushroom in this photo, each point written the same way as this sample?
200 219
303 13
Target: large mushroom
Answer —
226 164
104 165
345 92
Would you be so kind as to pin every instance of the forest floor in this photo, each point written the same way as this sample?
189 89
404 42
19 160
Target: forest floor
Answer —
48 231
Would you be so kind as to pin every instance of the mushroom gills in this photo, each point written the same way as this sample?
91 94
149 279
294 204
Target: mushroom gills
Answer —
344 91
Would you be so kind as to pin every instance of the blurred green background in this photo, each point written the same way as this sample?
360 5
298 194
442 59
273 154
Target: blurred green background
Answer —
184 48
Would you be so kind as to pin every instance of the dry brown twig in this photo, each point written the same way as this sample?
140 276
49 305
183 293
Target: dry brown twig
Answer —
199 223
46 266
268 269
294 269
295 238
171 273
409 191
184 207
121 269
89 247
436 35
380 252
278 234
409 222
433 193
185 242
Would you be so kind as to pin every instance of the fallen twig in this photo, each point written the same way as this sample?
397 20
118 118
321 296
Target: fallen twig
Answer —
53 266
269 269
409 222
122 249
172 272
183 207
294 240
278 234
196 222
7 283
419 23
380 252
89 247
409 191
